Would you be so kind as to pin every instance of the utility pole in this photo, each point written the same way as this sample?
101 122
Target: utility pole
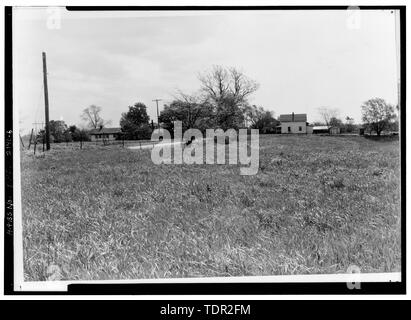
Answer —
158 122
46 102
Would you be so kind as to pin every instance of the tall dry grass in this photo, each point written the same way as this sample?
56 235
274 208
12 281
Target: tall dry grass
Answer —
317 205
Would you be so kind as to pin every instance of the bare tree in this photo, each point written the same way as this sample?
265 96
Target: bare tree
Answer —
92 115
179 95
221 83
327 114
227 90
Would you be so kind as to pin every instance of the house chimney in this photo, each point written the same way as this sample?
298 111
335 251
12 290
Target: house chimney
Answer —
292 117
101 127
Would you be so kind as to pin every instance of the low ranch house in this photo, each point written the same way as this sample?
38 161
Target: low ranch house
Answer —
105 134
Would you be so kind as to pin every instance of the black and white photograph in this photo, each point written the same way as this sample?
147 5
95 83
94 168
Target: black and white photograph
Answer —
207 145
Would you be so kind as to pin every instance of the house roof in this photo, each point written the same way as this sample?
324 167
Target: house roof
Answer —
302 117
105 130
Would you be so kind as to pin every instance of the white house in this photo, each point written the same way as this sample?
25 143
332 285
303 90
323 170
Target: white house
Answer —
295 123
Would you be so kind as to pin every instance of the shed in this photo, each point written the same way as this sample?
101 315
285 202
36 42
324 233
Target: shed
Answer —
321 129
361 131
334 130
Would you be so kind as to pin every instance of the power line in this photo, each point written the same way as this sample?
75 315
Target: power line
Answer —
38 102
41 124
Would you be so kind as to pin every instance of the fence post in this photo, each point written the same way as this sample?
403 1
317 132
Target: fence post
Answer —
31 136
21 140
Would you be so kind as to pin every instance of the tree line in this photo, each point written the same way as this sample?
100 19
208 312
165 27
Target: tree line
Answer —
377 116
221 101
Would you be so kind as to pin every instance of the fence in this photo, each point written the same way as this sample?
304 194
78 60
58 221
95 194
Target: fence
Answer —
37 146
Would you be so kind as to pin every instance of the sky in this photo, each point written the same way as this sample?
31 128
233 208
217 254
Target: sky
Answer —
302 60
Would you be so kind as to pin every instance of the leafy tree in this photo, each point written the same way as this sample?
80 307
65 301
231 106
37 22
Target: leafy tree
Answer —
84 135
58 130
261 119
67 136
229 114
394 124
335 122
72 128
75 133
376 114
135 122
349 124
92 115
192 114
40 136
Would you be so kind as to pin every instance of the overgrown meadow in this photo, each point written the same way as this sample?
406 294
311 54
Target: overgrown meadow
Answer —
317 205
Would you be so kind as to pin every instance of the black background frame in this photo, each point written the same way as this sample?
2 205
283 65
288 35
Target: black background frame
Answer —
217 288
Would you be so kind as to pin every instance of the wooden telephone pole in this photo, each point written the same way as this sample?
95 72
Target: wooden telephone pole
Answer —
158 122
46 102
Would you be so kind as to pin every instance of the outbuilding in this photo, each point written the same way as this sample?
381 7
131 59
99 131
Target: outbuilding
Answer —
326 130
321 129
335 130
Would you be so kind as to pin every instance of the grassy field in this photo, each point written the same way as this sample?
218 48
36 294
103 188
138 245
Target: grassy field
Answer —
317 205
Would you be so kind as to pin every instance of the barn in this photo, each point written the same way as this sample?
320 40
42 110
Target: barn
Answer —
104 134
